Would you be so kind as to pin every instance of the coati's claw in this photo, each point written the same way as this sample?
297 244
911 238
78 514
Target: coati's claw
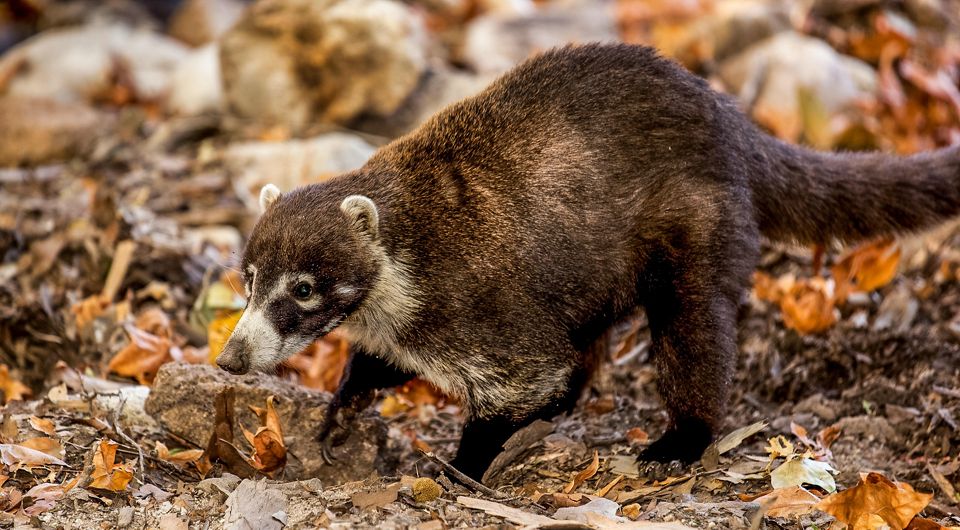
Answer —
657 471
326 453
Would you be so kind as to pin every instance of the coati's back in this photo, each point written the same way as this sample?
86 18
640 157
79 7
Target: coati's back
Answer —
547 190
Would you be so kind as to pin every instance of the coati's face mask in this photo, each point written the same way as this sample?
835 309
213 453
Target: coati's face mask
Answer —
304 274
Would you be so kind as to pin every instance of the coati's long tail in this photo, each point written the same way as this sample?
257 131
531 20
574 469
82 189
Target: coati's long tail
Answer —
812 197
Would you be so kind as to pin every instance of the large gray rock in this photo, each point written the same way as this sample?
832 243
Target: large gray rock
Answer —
196 86
297 63
292 163
79 64
439 87
496 42
182 400
731 27
771 75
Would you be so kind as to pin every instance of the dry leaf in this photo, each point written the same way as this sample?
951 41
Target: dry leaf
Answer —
219 331
41 498
808 307
378 498
788 502
321 364
141 358
12 389
637 435
43 425
107 474
269 451
89 309
46 445
779 447
867 267
874 501
584 475
17 457
180 457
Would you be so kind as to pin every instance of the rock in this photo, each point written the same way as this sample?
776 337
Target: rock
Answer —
770 75
252 507
128 403
728 29
79 64
182 401
292 163
439 87
497 41
36 131
297 63
897 311
199 22
196 86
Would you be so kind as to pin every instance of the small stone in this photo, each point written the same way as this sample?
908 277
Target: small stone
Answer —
125 516
426 490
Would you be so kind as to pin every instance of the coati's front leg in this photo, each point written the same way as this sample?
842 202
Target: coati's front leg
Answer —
363 375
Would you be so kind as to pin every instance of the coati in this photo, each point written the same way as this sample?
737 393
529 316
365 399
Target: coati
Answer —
488 250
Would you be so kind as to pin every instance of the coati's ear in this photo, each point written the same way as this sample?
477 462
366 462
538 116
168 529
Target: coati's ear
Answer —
362 214
268 195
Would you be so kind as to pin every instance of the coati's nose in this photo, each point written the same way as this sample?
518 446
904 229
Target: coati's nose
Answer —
233 359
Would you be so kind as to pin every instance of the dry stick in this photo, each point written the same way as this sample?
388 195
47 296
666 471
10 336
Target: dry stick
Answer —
119 431
462 478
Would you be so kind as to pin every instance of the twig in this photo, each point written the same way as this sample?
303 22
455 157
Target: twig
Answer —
462 478
119 431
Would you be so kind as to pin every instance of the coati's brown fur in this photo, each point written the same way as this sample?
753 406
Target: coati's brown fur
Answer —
507 233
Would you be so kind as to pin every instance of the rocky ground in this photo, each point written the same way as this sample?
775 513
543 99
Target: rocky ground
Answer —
133 139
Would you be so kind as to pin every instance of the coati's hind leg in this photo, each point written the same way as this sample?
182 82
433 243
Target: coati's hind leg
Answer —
693 319
362 377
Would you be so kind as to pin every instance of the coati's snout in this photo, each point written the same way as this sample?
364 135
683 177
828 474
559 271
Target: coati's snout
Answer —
306 270
235 357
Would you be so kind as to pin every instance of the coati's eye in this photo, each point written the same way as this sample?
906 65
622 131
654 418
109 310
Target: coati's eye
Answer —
302 290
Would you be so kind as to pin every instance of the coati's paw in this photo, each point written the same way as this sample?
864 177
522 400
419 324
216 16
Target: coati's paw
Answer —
661 470
676 449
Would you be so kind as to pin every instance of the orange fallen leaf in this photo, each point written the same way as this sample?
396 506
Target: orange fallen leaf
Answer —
584 475
46 445
637 435
866 267
89 309
269 451
155 321
219 331
788 502
12 389
186 456
808 306
141 358
321 364
108 475
876 501
43 425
